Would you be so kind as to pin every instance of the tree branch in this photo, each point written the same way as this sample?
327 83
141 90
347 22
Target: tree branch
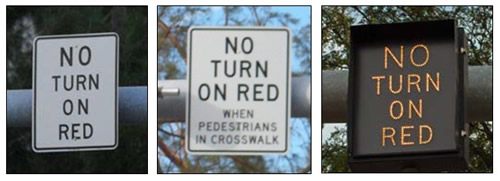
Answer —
256 15
487 130
174 158
362 14
226 15
172 39
245 163
407 13
306 169
158 166
170 134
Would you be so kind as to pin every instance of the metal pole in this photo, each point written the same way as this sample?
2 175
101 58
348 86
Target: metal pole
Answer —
172 107
133 106
172 94
479 95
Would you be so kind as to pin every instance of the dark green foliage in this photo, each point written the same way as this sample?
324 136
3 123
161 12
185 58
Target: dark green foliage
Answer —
130 156
481 147
23 24
334 152
477 22
336 21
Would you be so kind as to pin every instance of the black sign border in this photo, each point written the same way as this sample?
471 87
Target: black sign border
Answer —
188 111
85 148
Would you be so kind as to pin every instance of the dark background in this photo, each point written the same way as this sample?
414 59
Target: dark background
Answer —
371 111
24 24
336 21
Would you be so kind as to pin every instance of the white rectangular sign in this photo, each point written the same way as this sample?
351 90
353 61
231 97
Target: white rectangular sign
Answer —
239 90
75 81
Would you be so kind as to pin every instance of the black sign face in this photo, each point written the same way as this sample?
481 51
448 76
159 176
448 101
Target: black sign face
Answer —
406 89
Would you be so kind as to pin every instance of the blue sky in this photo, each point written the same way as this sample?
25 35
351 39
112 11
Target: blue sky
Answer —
302 13
301 134
216 18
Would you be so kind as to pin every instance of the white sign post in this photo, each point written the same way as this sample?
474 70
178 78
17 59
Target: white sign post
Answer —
239 90
75 81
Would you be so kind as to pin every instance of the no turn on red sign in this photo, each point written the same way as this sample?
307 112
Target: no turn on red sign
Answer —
239 90
75 80
407 97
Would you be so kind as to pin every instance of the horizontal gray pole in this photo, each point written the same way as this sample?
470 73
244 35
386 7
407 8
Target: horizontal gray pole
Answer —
133 106
479 95
172 98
